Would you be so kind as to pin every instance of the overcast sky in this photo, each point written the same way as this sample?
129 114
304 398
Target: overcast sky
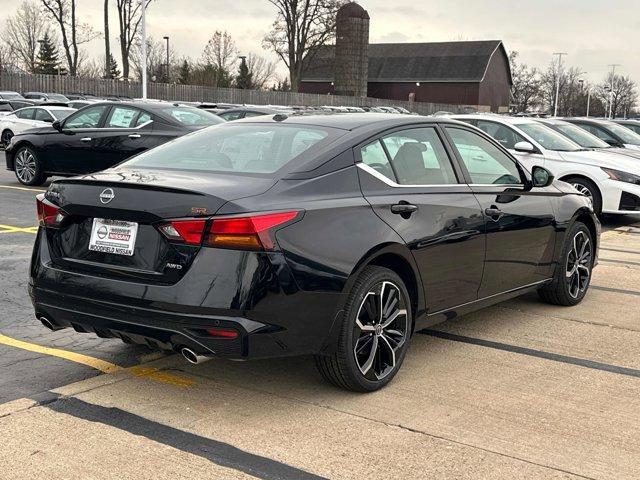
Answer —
594 33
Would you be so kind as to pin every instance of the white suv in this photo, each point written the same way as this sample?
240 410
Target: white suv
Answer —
611 181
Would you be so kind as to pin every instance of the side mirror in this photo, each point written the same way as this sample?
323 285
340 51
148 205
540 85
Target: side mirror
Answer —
524 147
541 177
57 125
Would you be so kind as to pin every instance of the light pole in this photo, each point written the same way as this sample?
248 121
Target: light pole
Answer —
581 82
143 60
167 39
559 54
613 76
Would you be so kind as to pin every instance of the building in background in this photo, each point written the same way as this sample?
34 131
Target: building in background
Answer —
474 73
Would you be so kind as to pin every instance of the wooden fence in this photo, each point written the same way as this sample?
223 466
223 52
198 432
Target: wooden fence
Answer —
194 93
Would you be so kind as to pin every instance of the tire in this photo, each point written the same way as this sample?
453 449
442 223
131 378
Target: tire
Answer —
28 168
572 277
5 138
364 329
588 188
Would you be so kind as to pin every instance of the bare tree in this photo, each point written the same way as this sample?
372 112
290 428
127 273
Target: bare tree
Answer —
72 32
300 29
22 32
6 57
129 18
221 51
623 97
261 70
526 85
156 59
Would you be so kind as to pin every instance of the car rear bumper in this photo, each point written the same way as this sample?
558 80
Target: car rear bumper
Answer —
258 300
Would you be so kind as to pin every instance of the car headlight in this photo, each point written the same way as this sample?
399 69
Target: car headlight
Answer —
622 176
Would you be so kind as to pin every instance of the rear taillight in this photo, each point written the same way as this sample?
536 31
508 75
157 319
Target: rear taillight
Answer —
185 231
246 233
49 214
249 232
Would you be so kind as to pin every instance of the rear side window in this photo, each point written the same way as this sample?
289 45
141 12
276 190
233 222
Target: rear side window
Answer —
598 132
374 156
121 117
485 162
26 114
191 116
143 119
230 116
419 158
238 148
86 118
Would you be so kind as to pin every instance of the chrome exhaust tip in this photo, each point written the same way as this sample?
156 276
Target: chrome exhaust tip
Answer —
192 357
49 324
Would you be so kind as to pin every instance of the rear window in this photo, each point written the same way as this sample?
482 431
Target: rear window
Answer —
192 116
237 148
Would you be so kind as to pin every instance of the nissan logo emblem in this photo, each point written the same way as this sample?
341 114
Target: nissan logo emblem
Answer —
107 195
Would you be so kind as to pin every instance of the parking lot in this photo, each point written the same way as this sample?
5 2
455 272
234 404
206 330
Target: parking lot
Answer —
520 390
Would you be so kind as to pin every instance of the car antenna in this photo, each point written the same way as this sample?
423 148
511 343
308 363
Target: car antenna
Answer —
279 117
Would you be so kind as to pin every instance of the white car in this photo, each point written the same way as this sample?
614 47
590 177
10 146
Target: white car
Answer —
30 117
612 181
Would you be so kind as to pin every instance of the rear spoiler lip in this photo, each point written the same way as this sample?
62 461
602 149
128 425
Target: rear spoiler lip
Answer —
124 184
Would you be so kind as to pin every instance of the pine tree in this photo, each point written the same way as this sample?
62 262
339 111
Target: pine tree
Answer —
47 61
185 73
244 80
114 72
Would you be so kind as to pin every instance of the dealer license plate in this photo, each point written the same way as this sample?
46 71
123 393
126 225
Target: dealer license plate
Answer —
113 236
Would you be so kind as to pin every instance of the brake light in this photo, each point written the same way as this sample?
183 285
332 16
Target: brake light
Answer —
49 214
186 231
222 333
246 233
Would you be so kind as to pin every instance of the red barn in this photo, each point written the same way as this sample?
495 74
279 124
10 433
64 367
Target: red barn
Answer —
473 73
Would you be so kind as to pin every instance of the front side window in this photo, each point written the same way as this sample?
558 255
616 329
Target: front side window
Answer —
548 138
504 135
230 116
238 148
581 137
419 158
485 162
625 134
43 116
121 117
86 118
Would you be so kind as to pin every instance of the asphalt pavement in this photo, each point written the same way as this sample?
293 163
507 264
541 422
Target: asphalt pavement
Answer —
519 390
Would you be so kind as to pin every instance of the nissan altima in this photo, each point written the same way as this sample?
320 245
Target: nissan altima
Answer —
337 236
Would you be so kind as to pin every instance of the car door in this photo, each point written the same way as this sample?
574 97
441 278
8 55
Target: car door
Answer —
519 221
70 149
124 133
410 181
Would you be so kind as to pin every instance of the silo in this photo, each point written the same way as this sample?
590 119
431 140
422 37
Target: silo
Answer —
352 44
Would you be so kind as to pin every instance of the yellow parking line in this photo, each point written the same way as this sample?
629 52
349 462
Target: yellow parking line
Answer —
12 229
101 365
23 188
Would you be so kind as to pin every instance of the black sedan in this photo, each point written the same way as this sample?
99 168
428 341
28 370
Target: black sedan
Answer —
337 236
248 112
99 136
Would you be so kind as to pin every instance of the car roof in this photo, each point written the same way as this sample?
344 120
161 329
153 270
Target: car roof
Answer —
629 121
348 121
495 118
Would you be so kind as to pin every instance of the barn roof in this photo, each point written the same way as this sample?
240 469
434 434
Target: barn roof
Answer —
415 62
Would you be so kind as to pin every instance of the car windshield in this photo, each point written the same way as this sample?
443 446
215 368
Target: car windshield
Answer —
625 134
237 148
580 136
548 138
11 96
192 116
57 97
60 114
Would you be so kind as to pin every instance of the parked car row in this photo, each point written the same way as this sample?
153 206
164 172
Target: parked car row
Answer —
582 152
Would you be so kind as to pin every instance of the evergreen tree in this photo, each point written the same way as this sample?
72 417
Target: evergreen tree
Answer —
185 73
244 80
114 72
48 62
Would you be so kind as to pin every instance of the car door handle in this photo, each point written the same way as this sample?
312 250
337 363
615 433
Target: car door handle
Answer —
493 212
85 139
135 135
404 209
